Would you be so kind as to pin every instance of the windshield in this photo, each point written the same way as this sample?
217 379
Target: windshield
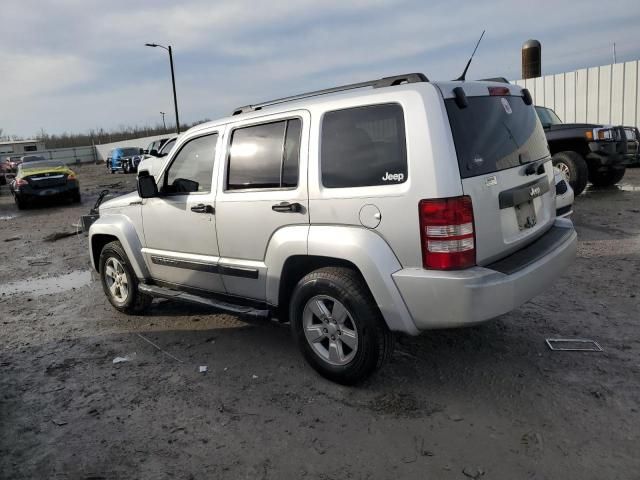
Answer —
42 164
166 148
547 116
126 152
494 133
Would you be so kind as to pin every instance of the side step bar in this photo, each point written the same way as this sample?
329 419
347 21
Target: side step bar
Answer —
160 292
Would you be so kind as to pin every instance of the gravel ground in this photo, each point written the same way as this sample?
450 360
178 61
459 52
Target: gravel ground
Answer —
490 402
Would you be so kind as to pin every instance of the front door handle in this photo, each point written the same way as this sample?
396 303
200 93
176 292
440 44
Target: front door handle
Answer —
287 207
202 208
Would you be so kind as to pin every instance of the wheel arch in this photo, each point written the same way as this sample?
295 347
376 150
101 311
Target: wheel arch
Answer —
357 248
116 227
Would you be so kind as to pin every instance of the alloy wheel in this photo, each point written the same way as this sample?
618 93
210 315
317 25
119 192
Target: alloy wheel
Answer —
116 279
330 330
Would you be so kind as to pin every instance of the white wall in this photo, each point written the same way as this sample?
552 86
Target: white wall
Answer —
102 151
607 94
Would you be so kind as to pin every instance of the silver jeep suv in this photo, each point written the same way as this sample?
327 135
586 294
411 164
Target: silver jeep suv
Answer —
395 205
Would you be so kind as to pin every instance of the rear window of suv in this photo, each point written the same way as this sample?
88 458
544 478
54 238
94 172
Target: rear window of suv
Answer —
364 146
495 133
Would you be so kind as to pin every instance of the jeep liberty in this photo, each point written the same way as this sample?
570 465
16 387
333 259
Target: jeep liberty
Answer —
395 205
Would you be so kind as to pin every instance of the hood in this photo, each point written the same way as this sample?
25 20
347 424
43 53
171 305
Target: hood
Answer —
121 201
26 172
565 126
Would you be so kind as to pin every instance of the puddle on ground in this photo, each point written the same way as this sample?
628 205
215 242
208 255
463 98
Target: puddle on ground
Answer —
629 188
47 285
625 187
7 217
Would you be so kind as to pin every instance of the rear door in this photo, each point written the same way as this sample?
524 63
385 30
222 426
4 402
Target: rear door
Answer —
263 188
505 167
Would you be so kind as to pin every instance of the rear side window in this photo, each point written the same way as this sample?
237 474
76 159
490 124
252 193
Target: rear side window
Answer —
495 133
363 146
265 156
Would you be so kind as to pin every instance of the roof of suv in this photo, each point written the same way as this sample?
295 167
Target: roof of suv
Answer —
364 89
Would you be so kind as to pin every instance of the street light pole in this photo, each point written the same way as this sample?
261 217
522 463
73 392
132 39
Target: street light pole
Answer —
173 81
163 122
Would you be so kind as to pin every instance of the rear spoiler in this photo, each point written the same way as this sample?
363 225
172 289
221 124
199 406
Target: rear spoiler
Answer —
495 79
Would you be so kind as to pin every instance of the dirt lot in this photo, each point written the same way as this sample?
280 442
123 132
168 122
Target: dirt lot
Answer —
491 402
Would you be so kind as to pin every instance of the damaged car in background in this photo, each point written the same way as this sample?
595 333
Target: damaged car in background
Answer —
44 180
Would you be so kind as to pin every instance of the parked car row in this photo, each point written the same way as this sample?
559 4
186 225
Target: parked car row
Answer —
127 159
395 205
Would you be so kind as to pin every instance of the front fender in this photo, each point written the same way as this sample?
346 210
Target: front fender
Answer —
120 226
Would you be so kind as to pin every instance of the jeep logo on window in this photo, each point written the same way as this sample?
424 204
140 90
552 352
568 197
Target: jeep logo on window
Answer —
393 177
535 192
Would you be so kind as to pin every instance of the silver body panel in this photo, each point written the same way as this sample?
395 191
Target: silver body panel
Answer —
241 250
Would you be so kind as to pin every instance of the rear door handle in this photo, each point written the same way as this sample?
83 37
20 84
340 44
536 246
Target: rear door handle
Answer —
202 208
287 207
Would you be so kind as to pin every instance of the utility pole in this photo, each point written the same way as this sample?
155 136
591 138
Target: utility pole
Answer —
614 52
163 122
173 81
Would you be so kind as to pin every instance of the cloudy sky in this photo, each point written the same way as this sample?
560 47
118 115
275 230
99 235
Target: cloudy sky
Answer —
72 65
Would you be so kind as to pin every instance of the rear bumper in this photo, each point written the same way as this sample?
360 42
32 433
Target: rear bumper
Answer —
437 299
69 188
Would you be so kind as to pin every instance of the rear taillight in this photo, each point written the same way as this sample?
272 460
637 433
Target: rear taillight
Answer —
447 233
71 177
21 182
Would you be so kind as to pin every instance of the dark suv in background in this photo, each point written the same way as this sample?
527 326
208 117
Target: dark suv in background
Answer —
121 157
586 152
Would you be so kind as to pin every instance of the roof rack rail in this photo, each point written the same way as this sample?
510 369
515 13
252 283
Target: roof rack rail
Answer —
495 79
378 83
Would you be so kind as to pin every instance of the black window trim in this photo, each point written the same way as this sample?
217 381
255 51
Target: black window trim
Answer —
406 150
173 159
286 119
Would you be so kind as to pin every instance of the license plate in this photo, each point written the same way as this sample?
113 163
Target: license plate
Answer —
48 192
526 215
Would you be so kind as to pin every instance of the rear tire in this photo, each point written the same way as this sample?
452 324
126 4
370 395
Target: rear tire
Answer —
119 281
606 178
575 169
338 326
21 203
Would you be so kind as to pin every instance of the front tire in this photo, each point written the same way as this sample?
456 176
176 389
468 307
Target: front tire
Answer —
119 281
575 169
607 177
337 325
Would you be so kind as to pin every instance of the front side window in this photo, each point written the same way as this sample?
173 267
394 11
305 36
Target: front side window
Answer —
265 156
192 168
363 146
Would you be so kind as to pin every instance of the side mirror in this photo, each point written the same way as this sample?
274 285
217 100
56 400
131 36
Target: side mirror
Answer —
144 152
147 187
153 152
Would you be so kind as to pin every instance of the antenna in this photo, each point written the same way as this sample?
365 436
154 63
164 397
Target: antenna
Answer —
464 73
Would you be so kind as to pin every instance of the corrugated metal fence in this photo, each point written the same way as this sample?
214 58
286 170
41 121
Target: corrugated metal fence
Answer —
68 155
607 94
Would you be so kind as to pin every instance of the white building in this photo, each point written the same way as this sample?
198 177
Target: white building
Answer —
608 94
21 146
